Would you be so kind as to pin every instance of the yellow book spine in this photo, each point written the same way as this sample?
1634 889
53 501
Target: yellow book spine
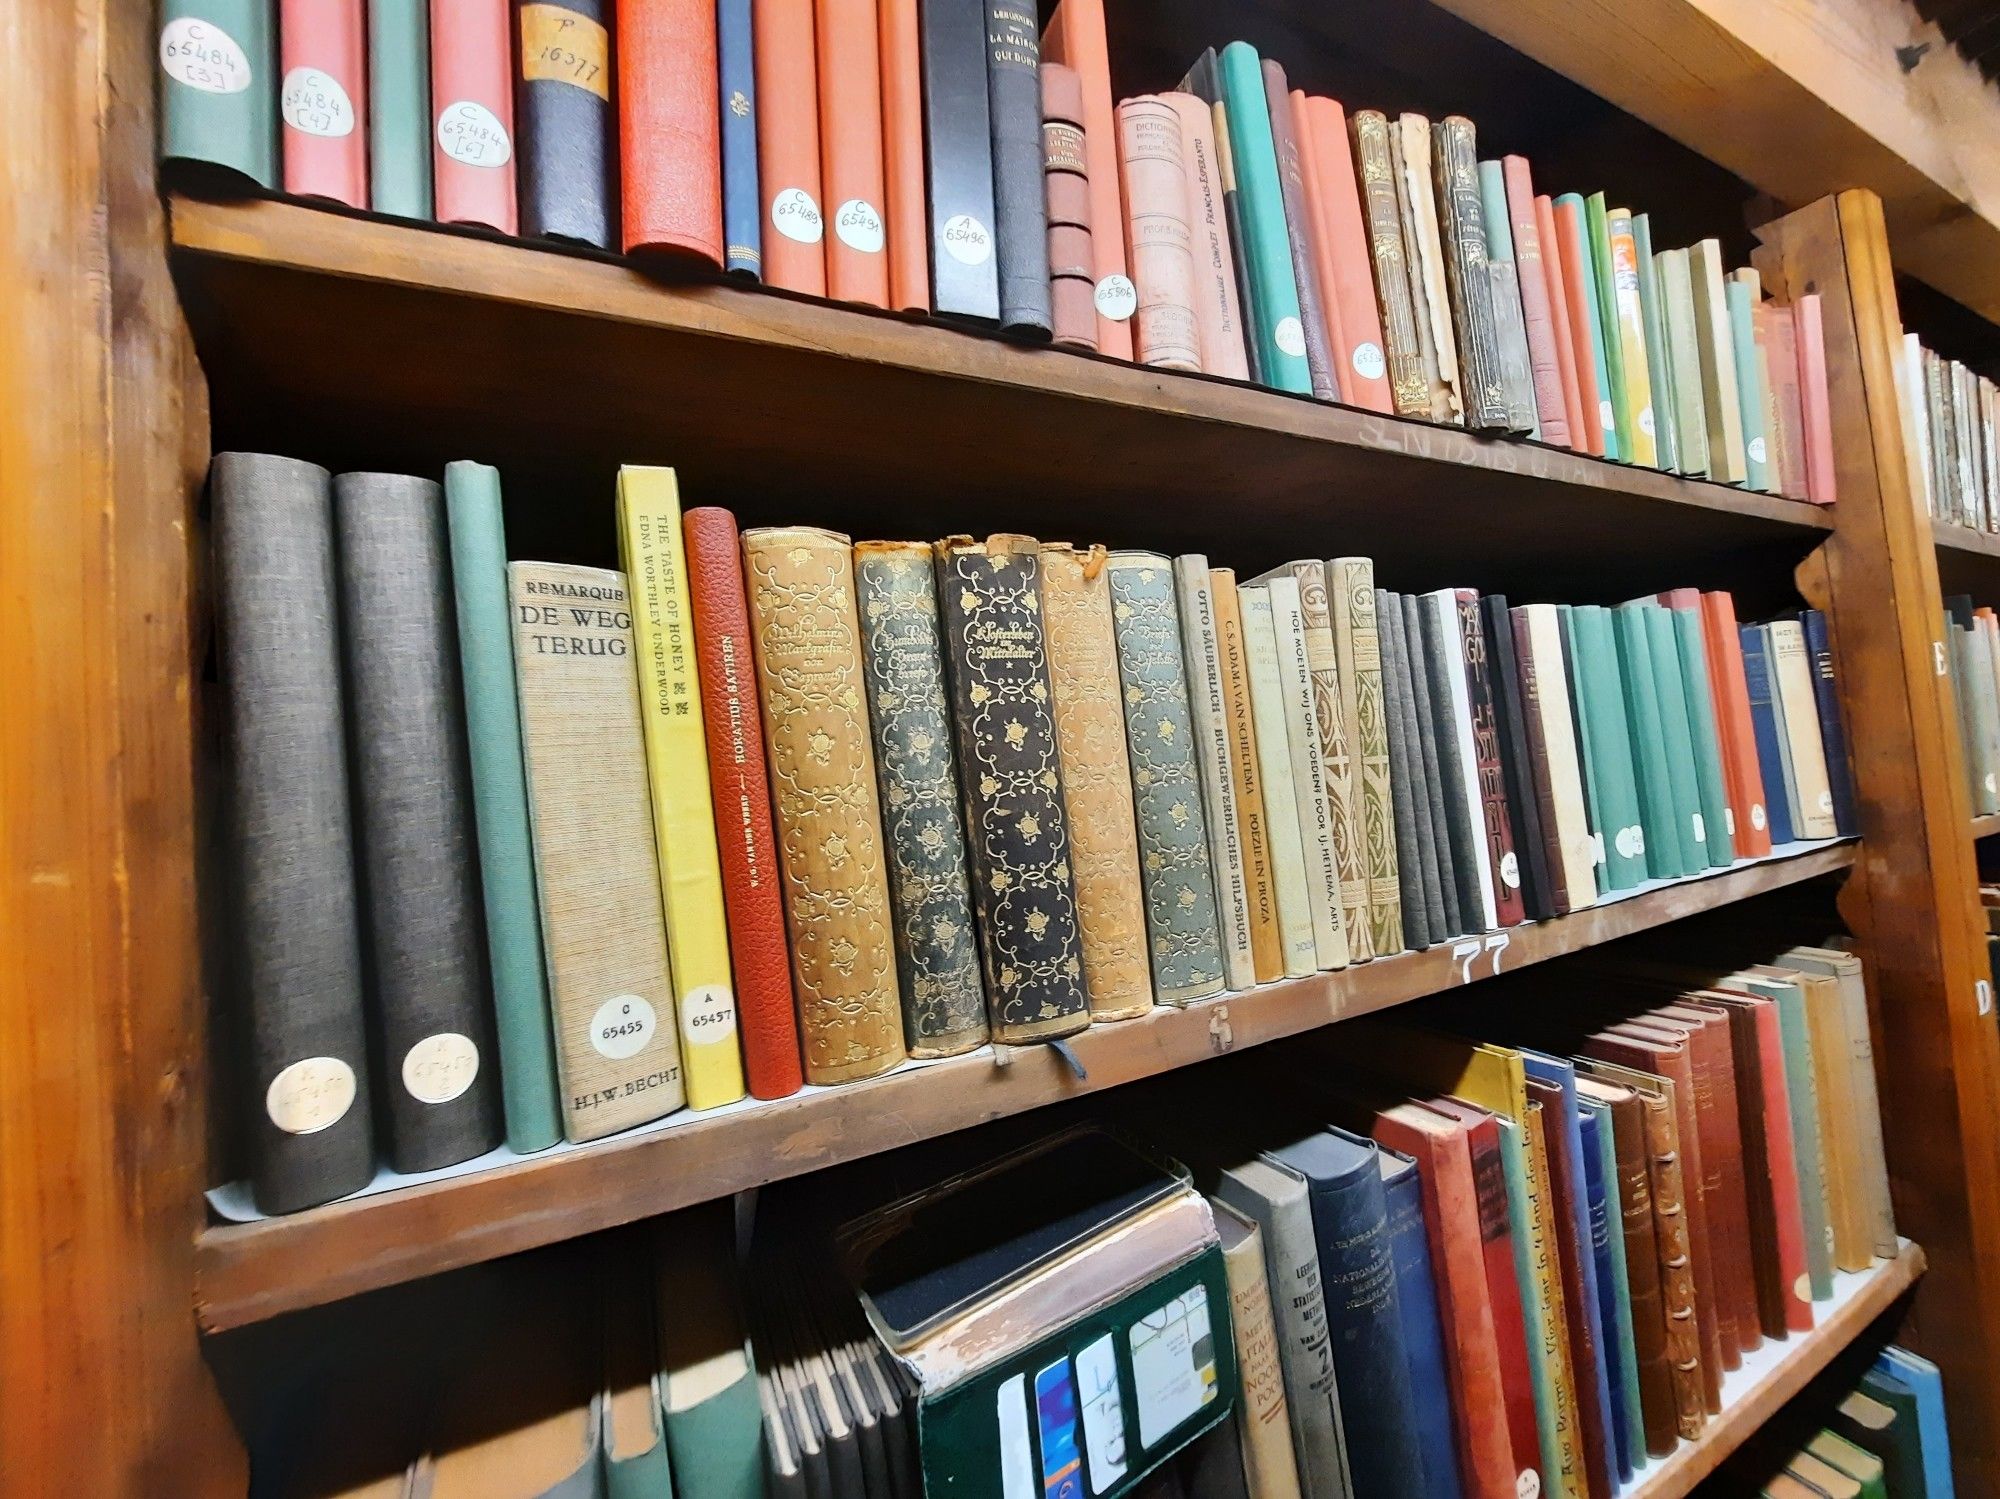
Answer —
1638 417
655 562
1573 1478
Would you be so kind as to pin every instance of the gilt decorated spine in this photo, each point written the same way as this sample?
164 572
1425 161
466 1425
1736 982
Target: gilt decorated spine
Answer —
1481 384
1358 642
1274 768
1336 742
1409 388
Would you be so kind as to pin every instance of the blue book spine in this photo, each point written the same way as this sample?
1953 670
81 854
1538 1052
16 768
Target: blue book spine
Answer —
1832 732
1598 1206
736 67
1423 1328
1922 1376
1771 748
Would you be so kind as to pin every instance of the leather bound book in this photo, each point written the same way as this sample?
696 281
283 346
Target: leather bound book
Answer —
399 108
1820 485
1749 824
472 113
788 144
1161 245
1455 165
1209 710
751 878
1442 1467
1336 747
563 93
323 100
1480 880
1411 150
218 114
1780 1159
1489 755
1586 336
903 203
1072 277
1766 1266
1179 884
800 582
1552 757
1023 888
1408 385
1348 285
1014 101
937 954
1247 784
305 1068
437 1078
1510 318
1405 774
1517 768
500 808
958 141
1218 312
1274 303
1097 781
596 878
1412 781
848 39
1075 37
1584 430
1357 639
1300 231
1544 363
1279 795
736 82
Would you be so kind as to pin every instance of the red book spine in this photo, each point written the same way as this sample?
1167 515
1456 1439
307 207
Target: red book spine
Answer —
1722 1147
1550 406
324 100
1507 905
670 128
1317 232
1730 689
850 151
1814 396
743 835
903 157
1364 370
472 113
1075 36
788 145
1579 285
1545 230
1784 1163
1782 335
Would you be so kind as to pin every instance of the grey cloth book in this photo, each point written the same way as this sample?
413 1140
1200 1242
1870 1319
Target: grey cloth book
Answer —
1435 742
1404 782
437 1073
1437 916
304 1066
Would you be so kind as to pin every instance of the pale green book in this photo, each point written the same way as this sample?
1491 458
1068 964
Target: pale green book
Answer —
1604 283
399 108
219 90
1689 410
1637 414
708 1380
1683 775
1659 353
1715 345
1709 776
1743 295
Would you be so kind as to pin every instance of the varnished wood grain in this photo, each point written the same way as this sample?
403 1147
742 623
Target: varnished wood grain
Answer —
249 1272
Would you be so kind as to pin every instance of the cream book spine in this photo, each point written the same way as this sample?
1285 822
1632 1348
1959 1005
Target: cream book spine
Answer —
1203 657
1252 816
1547 691
1308 773
1274 765
1270 1464
1791 676
1444 604
1715 346
1426 243
1357 641
1336 755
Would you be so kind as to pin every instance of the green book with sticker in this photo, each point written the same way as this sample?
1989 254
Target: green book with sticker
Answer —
219 91
1683 773
1604 284
1274 291
1749 383
1573 226
1659 351
1665 859
1597 684
1684 607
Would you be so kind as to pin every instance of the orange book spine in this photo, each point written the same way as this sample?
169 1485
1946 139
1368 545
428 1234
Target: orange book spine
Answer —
850 151
323 100
1318 234
472 114
670 129
1578 284
1349 291
1075 36
903 157
1730 688
1545 225
788 145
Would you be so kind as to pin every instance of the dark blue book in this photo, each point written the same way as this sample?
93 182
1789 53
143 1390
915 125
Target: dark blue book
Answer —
1832 732
1423 1325
1598 1203
1772 749
1350 1211
736 67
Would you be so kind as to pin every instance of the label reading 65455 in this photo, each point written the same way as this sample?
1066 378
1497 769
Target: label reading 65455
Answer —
622 1026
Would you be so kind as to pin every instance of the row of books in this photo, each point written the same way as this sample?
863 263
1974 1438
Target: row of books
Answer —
762 810
1951 421
939 156
1973 664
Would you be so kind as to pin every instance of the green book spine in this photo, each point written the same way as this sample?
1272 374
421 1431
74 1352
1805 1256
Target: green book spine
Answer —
1604 278
1749 386
399 108
1627 1379
717 1444
1578 246
1649 751
1638 415
1279 331
219 104
1611 739
1683 774
1520 1222
500 808
1709 778
1803 1087
1660 359
1690 418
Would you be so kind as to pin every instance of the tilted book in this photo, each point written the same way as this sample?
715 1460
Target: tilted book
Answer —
1152 152
1410 154
1276 325
1349 287
1640 417
1210 715
1792 678
1597 255
1468 275
1269 1461
1274 768
1510 314
1409 385
1300 232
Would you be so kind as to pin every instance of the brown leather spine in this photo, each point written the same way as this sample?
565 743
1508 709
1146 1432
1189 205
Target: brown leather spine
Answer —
1066 168
1642 1273
1409 388
1572 1245
1675 1248
1456 168
1492 775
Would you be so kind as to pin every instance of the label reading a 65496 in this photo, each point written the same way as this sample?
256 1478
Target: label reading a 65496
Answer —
622 1026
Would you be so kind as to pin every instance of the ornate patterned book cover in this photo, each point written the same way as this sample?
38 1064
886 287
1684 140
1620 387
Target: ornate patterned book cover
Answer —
1202 656
808 637
1358 639
1410 151
1337 752
937 953
1166 785
1097 780
1410 386
989 596
1456 165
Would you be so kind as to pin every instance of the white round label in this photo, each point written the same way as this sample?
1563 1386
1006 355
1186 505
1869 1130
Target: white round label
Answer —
1605 417
622 1026
1527 1484
204 56
966 240
314 103
1729 820
1116 297
1756 450
1290 335
1757 817
1826 799
439 1068
1510 870
859 226
1646 420
708 1014
310 1095
1368 361
795 215
1630 841
1597 848
1700 829
470 133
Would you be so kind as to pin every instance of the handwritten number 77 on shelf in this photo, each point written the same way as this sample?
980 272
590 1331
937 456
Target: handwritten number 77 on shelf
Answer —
1467 952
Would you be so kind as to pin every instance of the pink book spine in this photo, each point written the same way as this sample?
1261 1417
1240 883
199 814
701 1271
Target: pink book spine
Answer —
1076 36
1162 260
323 100
1581 429
1364 369
1319 234
1218 318
472 113
1544 360
1814 397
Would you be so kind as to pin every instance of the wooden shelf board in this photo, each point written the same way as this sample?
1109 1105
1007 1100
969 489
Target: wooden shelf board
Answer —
1987 826
248 1272
1965 539
363 342
1777 1371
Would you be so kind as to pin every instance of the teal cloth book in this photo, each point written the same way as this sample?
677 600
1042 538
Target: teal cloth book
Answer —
1625 1375
1576 246
1683 773
1659 353
1604 283
1927 1385
708 1378
1711 783
1803 1088
1664 859
1274 291
219 97
1520 1221
399 108
1749 385
1598 684
528 1090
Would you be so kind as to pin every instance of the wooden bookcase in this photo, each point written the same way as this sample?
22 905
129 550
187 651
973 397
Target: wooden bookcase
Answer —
320 334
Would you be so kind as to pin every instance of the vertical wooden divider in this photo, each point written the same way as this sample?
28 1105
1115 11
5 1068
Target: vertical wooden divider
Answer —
1912 900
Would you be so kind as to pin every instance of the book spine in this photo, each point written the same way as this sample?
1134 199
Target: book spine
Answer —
741 793
937 955
1699 849
1405 777
218 101
1659 819
787 115
1072 270
1441 865
1232 213
1179 883
1593 312
563 93
1605 1244
1603 281
742 201
322 100
305 1052
1715 348
1779 334
1803 1086
1551 409
597 879
1246 789
1763 316
1280 795
1097 781
1642 1277
1314 307
1268 1459
1308 770
1821 488
1348 284
399 108
903 206
1487 756
1481 882
1832 1060
1699 696
1517 769
1331 724
1689 410
472 114
1637 417
1279 332
1586 339
1023 888
1539 1285
1209 711
1410 157
437 1089
1510 317
1218 314
1659 354
1560 825
500 808
847 37
1583 428
800 583
1014 95
1765 724
1076 38
1749 823
1546 692
1740 300
1421 1325
1792 684
1358 643
1165 332
1409 387
1683 1338
1488 1180
958 136
1468 277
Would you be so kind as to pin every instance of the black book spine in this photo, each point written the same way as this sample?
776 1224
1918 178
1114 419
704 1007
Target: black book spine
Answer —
1832 731
958 161
1443 655
305 1062
1456 168
1014 100
1440 875
1515 760
568 164
1201 81
436 1069
1404 784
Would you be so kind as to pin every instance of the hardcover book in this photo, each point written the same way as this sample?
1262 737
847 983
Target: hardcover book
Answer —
848 40
1410 154
1487 753
903 203
1510 315
1349 289
1014 106
1246 789
218 100
1767 722
1792 682
1209 711
788 170
1586 431
1357 642
323 99
563 90
1524 805
742 197
1749 823
1688 411
1405 778
1333 728
1552 753
1204 83
1638 417
1458 757
1538 314
1075 37
1265 1421
399 108
1072 270
1422 1328
958 137
1272 755
1482 387
1435 756
1715 349
1151 151
1408 382
1300 234
1579 274
1280 335
472 115
1740 298
1659 352
1218 313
